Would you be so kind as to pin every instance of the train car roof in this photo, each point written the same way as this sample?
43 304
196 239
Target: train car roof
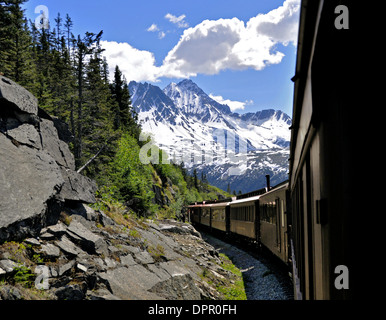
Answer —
251 199
281 186
209 205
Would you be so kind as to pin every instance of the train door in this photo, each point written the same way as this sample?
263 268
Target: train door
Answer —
298 237
308 216
278 224
228 218
257 221
282 221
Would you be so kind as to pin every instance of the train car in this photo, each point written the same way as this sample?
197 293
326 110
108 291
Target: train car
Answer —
194 213
273 221
211 214
322 150
219 213
244 217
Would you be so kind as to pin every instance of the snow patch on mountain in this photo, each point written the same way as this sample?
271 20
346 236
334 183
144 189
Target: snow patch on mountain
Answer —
192 127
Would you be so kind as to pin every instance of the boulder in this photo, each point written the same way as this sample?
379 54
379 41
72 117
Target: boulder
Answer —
28 180
55 147
68 247
50 251
137 281
23 133
37 174
77 187
89 241
16 97
8 265
179 287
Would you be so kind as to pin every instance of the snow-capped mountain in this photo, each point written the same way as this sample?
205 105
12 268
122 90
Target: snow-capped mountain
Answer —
229 147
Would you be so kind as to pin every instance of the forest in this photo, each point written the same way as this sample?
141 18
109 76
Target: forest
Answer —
70 77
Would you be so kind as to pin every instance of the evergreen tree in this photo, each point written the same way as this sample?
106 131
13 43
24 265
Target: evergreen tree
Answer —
15 44
85 47
98 128
125 117
195 178
68 25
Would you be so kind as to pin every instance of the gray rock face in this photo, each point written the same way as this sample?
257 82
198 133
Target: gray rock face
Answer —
17 97
89 241
77 187
85 260
28 179
7 265
37 173
56 148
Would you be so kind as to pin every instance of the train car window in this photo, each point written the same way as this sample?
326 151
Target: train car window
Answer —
243 214
218 214
273 213
268 212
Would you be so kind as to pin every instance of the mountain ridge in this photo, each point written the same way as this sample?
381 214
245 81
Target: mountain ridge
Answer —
192 127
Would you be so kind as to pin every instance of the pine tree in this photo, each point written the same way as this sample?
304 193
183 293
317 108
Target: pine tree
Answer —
68 25
84 49
15 43
98 128
195 178
58 30
125 117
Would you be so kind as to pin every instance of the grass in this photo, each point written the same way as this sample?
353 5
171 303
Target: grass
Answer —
236 290
231 288
156 252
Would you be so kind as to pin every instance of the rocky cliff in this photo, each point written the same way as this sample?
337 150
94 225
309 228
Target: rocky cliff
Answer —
37 174
54 246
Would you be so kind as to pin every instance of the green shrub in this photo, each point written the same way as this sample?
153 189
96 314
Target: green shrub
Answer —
24 276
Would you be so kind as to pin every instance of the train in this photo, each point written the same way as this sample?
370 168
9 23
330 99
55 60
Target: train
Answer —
259 217
307 221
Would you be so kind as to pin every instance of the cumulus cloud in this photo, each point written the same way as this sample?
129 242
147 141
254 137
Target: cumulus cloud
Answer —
280 24
179 21
213 46
206 48
137 65
233 105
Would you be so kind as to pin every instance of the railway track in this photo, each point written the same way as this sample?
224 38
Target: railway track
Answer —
265 278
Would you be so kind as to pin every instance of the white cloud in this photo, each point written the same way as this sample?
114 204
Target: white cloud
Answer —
152 28
137 65
161 35
233 105
206 48
212 46
179 21
280 24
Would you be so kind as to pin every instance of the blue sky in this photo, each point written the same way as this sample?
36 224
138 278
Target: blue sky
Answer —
240 51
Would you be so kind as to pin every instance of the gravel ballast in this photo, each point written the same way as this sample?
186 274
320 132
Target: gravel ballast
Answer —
261 280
